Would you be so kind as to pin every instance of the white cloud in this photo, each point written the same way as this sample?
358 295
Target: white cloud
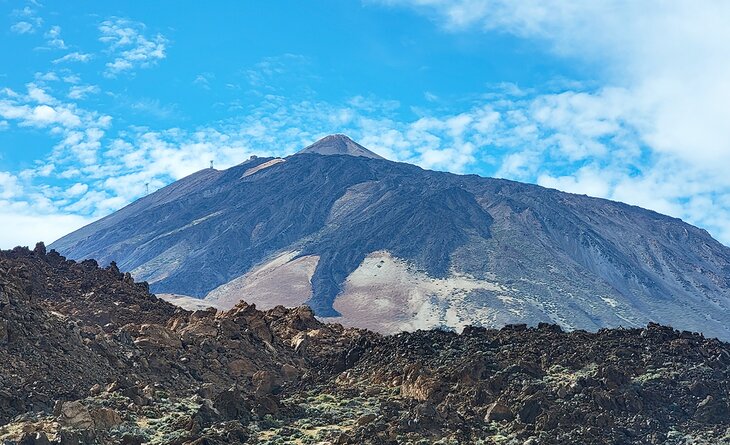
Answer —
40 170
53 38
129 46
29 217
654 135
587 180
80 131
76 190
153 107
38 94
263 73
44 115
429 96
28 21
81 91
203 80
666 60
72 78
533 139
74 57
26 227
22 28
38 109
9 186
49 76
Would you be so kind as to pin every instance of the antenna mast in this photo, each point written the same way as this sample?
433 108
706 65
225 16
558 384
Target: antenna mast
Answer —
211 165
146 188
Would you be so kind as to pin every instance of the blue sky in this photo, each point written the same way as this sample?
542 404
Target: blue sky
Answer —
622 100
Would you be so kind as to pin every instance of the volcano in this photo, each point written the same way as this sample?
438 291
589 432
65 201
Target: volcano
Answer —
389 246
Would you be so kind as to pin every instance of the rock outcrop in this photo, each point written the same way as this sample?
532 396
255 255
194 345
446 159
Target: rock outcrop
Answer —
88 356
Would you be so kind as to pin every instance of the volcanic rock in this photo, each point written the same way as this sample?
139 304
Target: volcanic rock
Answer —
391 247
156 371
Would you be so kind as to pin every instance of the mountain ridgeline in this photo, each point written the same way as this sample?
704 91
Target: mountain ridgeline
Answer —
389 246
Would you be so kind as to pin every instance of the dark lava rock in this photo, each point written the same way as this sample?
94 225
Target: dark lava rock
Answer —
498 412
88 356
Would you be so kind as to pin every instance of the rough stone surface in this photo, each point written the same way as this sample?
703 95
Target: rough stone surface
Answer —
66 378
76 415
498 412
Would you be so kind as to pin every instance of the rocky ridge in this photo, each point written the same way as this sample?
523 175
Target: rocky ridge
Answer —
88 356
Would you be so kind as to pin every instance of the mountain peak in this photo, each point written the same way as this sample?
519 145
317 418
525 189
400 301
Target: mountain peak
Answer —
339 144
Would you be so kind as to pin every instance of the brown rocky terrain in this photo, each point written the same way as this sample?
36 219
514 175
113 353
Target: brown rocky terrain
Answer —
88 356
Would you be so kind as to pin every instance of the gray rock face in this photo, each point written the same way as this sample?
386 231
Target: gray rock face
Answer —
339 144
577 261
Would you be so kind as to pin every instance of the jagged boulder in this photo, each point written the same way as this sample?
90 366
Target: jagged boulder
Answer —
105 418
231 404
75 415
498 412
241 367
264 382
710 410
154 335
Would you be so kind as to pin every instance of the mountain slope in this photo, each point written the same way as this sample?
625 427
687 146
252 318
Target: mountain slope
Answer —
390 246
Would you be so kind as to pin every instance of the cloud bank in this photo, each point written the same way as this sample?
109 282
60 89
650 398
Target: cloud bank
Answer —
130 46
655 134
